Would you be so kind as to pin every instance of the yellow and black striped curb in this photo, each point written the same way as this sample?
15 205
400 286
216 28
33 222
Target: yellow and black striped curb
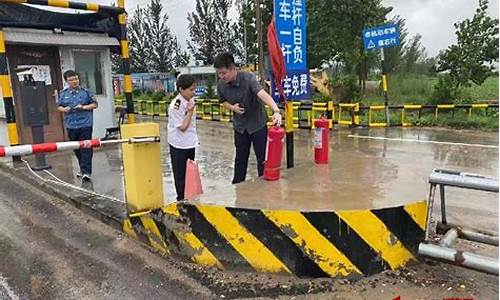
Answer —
312 244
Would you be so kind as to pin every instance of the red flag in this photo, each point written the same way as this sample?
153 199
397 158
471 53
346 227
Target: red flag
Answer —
276 57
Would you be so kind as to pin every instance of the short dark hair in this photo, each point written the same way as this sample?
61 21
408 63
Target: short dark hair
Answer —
224 60
184 81
69 73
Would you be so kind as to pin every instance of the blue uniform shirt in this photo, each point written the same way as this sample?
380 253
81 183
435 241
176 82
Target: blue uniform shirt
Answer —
76 118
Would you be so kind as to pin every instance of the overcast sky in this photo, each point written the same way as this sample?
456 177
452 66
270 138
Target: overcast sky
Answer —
433 19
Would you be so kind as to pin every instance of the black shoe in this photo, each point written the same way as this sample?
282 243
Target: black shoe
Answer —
86 177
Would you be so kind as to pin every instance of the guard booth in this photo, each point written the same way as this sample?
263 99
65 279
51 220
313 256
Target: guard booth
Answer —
48 43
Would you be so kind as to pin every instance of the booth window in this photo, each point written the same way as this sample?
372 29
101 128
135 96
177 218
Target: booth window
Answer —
88 66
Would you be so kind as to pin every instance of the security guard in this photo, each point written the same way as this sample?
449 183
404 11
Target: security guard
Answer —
182 136
78 104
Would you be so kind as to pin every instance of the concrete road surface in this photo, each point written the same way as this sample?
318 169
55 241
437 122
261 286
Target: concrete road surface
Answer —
51 250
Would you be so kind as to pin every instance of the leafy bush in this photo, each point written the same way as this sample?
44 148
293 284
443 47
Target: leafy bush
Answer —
346 88
445 91
158 96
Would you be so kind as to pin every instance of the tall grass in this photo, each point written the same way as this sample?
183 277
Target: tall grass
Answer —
418 89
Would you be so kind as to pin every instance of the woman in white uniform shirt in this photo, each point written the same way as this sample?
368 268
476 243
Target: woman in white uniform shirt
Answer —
182 137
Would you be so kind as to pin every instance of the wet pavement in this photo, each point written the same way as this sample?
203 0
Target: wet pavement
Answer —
362 173
50 249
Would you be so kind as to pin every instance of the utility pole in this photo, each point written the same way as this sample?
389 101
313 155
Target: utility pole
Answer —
384 86
258 26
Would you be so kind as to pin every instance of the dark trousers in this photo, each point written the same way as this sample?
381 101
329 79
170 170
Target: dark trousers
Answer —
84 156
242 142
179 158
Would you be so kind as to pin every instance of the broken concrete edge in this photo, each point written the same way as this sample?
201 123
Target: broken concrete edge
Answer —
87 204
308 244
348 244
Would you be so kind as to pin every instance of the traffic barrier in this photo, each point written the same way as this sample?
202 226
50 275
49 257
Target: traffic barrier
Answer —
225 114
319 110
477 106
149 111
409 107
206 112
314 244
370 112
304 113
163 108
215 108
353 109
296 114
28 149
443 106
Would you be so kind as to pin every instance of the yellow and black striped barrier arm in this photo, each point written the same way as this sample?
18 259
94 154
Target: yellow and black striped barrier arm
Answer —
315 244
8 102
124 53
90 6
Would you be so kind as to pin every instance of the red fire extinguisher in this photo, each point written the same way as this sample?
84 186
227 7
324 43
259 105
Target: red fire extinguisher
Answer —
321 140
272 165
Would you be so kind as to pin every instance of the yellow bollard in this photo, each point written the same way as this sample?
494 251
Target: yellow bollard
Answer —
142 168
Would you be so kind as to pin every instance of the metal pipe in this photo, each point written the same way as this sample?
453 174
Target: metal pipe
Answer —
469 234
464 180
430 206
443 203
449 238
466 259
137 140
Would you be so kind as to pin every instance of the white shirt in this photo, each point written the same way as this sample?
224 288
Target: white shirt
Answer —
177 111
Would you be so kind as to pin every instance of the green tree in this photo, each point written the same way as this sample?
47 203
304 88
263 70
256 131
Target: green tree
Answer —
153 48
473 58
211 31
116 63
334 33
163 44
140 45
393 56
247 27
414 54
181 57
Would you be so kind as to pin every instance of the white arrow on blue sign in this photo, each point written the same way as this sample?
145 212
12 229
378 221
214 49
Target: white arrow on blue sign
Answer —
383 36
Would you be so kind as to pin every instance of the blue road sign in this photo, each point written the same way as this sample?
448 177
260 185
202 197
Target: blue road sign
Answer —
290 16
296 85
379 37
200 90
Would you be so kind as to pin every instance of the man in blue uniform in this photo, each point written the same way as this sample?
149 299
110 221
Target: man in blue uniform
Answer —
77 104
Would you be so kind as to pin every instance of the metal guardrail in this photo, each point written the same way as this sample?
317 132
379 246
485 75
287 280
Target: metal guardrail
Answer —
443 250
